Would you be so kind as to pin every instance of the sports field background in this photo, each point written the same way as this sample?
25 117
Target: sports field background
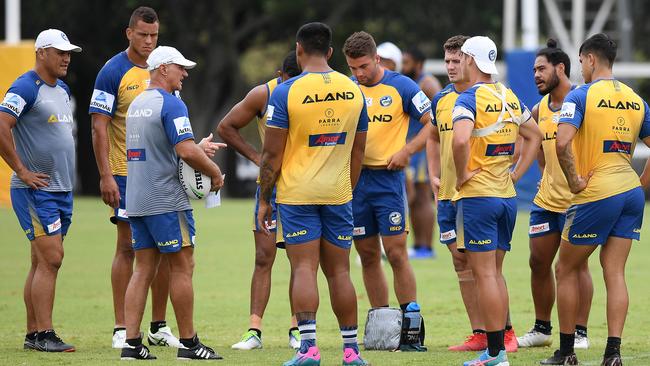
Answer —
224 254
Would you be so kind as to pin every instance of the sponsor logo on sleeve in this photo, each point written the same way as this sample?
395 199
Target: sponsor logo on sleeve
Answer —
448 235
182 125
136 155
14 103
613 146
102 100
568 110
269 112
53 227
539 228
421 101
327 139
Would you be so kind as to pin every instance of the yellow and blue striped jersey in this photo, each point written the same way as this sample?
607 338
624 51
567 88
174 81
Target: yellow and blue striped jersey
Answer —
322 112
554 193
442 107
609 117
492 153
391 103
117 84
261 119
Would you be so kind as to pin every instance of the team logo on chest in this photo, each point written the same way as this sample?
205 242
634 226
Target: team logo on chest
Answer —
386 101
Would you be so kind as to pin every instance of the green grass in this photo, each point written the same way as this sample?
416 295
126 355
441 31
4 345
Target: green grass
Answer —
224 259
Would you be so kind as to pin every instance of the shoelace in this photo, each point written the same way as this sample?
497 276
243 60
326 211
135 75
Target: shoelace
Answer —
53 336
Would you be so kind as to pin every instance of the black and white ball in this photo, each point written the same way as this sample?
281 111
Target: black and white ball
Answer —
196 184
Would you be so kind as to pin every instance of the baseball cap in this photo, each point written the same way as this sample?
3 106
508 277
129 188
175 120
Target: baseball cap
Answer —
165 55
56 39
484 53
389 51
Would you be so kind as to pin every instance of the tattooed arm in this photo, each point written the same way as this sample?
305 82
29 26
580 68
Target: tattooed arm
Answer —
272 154
565 134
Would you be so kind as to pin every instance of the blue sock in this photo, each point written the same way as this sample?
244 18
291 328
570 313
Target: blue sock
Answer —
349 335
307 334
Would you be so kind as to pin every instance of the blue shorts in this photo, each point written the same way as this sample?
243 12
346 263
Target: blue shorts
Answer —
274 217
119 213
543 222
485 223
379 204
42 213
169 232
592 223
418 171
447 221
303 223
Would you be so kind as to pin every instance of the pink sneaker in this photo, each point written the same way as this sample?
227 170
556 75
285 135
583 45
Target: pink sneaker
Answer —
310 358
352 358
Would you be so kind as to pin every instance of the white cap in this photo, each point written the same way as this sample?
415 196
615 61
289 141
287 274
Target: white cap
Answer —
389 51
484 53
55 38
165 55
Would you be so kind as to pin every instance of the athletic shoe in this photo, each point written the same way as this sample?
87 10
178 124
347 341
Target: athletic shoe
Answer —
250 340
198 352
140 352
476 342
352 358
30 344
484 359
558 359
294 339
119 338
535 339
52 343
163 337
422 253
310 358
510 341
614 360
580 342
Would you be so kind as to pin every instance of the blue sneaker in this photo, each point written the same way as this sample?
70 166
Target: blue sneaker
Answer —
484 359
422 253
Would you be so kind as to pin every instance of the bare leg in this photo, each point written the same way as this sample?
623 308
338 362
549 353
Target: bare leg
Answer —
265 251
542 282
146 263
613 257
121 270
404 277
335 262
422 215
27 291
571 259
160 291
181 266
49 251
467 285
373 275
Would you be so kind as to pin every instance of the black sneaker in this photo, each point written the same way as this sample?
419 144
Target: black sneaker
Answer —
558 359
50 342
140 352
198 352
614 360
30 343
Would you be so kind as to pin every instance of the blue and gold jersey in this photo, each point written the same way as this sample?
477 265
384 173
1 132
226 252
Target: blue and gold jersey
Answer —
117 84
442 107
609 117
322 111
391 103
492 153
261 119
554 193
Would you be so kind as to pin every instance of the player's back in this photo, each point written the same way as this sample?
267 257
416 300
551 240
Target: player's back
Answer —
492 153
322 112
609 117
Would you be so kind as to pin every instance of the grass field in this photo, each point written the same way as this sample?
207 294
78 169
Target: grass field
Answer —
224 259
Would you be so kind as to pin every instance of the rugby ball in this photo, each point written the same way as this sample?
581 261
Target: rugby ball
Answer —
196 184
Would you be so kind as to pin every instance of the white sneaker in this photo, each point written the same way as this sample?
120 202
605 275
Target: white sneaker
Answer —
119 338
163 337
581 342
535 339
294 339
249 341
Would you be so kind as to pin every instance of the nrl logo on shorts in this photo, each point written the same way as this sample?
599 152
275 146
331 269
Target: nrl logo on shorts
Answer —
395 218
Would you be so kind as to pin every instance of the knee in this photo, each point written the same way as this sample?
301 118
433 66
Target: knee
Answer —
397 257
460 263
538 265
562 271
52 262
264 259
369 257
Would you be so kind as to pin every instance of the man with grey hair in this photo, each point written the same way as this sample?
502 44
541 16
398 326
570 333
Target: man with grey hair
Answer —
158 134
37 143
